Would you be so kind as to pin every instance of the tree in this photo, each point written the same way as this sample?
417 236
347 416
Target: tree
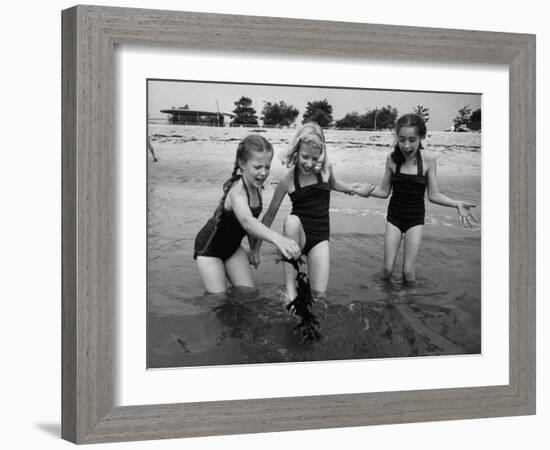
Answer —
279 114
367 120
246 115
423 112
463 118
373 119
350 120
475 120
384 117
318 111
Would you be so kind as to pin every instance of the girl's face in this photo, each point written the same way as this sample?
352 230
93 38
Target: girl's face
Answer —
308 158
256 169
408 140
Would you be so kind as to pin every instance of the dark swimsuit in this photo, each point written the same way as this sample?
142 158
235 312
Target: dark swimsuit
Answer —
406 208
311 204
224 240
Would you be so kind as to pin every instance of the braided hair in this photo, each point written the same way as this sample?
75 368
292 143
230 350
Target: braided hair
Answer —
312 134
407 120
251 143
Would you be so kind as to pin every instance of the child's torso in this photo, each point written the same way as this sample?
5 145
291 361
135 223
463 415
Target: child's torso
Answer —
222 240
311 200
408 189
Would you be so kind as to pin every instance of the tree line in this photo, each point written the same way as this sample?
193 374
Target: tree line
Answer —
282 114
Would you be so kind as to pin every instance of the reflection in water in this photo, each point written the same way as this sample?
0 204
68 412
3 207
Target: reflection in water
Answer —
398 320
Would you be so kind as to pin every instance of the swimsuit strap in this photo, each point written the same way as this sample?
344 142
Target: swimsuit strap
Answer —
319 178
296 180
419 163
246 190
261 205
248 195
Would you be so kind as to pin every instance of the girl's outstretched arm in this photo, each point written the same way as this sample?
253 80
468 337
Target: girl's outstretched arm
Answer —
466 217
379 191
338 186
239 204
269 216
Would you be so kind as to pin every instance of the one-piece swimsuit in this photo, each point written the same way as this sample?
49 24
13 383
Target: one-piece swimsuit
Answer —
224 240
406 208
311 204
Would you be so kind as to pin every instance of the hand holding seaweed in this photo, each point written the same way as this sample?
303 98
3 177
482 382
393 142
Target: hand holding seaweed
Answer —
301 305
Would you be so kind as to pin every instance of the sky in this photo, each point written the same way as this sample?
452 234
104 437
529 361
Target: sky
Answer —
165 94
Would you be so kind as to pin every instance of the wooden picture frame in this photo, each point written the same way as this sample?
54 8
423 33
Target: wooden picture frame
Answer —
90 34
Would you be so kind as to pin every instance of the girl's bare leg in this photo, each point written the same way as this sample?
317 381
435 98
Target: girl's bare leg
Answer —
212 272
238 270
413 238
292 229
318 267
392 239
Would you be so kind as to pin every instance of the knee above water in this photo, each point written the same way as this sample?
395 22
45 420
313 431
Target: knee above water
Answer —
292 224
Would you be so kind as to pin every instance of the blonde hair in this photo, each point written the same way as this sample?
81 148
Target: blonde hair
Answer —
312 134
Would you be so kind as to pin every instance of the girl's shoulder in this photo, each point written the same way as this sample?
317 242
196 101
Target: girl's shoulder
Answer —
327 172
236 190
288 177
390 163
237 186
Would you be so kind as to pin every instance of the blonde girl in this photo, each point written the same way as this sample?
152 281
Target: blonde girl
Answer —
308 183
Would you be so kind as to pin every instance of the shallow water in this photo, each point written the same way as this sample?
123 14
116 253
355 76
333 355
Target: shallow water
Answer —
363 317
243 328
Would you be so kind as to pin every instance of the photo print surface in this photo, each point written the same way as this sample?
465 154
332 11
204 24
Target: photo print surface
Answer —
305 223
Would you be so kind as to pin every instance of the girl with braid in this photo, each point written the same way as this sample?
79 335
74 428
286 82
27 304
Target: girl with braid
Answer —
410 172
218 249
308 183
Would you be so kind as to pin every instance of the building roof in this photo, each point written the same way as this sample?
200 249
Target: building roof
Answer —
194 112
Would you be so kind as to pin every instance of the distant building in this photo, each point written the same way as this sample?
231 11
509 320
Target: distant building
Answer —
195 117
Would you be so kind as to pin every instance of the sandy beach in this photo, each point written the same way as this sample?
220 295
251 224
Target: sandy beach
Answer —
364 317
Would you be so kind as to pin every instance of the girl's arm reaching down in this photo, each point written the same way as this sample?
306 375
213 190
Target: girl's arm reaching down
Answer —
239 204
268 219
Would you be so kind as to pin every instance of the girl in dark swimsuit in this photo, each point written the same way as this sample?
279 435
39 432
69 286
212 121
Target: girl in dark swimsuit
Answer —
308 184
409 173
218 248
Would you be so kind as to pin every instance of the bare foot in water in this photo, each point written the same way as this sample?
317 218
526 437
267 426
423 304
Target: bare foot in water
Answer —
385 275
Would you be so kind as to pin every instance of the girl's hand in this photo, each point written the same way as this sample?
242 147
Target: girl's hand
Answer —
364 190
465 216
254 257
351 191
288 248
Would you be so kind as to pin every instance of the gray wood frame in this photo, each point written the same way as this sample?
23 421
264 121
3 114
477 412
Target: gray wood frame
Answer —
89 36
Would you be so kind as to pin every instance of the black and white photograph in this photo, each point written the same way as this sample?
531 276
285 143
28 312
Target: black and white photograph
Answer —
268 225
306 223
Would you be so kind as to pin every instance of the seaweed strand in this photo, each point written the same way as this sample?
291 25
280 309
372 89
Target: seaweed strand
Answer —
301 305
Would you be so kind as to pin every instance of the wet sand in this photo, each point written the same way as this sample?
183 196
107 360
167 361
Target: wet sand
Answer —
364 317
